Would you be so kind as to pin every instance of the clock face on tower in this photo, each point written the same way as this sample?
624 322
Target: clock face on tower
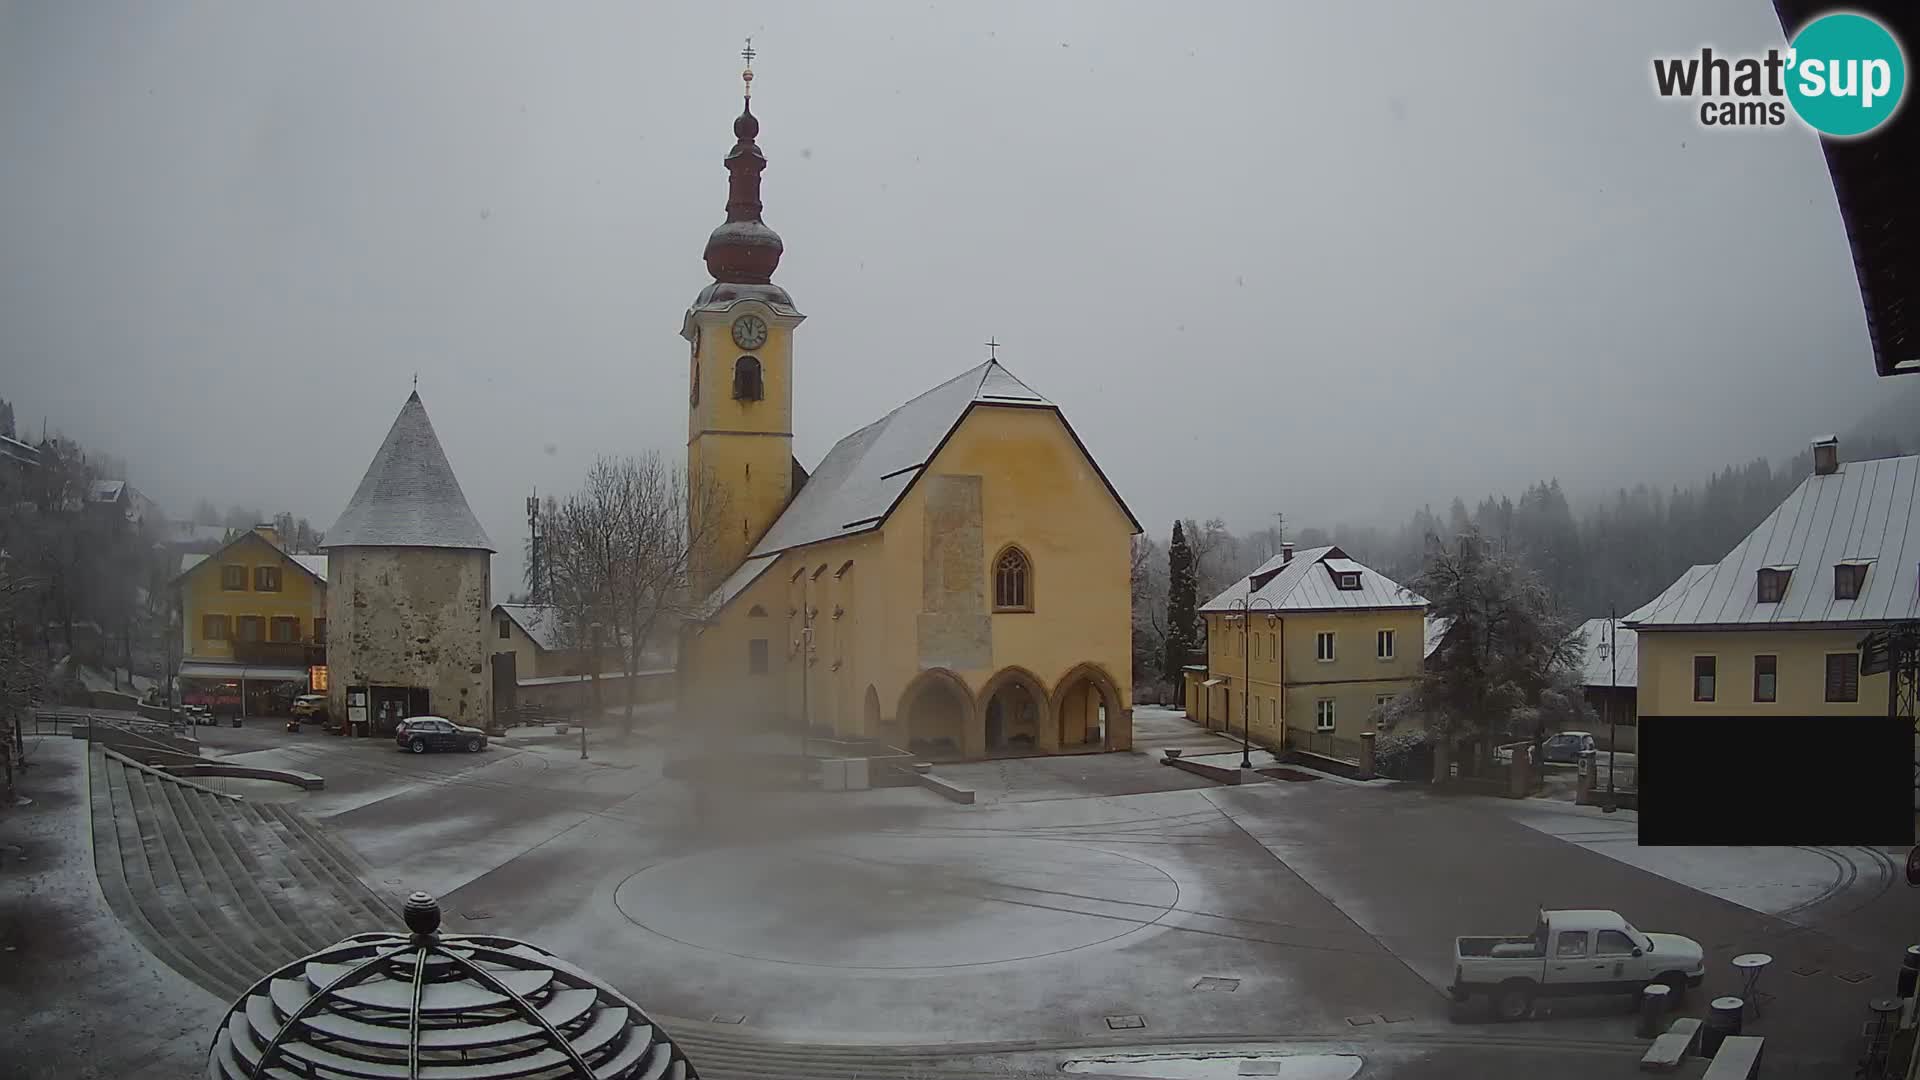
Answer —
749 332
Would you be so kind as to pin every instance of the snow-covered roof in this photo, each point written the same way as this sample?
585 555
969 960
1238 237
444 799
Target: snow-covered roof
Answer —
1305 585
1436 629
540 622
744 575
409 496
107 490
1867 511
1597 666
312 564
864 474
1669 594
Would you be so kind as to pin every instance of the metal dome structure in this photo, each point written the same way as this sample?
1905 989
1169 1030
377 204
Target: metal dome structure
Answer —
427 1006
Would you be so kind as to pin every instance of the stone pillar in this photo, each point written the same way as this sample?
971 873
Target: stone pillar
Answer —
1366 754
1442 760
1047 727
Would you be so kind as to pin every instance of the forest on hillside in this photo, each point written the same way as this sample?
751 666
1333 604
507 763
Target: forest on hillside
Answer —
1612 553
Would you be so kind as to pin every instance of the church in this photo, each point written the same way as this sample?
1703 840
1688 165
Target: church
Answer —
952 579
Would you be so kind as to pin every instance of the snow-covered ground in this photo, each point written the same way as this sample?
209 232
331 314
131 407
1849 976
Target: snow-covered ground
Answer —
1778 881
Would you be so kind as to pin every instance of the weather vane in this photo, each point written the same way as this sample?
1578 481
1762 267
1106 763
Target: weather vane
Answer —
746 75
416 380
993 349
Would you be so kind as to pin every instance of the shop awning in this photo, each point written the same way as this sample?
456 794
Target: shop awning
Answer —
203 669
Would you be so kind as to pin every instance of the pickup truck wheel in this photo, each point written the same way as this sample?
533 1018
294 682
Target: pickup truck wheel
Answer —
1513 1000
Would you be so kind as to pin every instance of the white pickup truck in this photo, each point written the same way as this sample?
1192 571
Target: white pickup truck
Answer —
1575 952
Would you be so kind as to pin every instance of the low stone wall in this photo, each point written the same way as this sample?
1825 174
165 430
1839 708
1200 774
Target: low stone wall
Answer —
1336 766
307 780
1217 773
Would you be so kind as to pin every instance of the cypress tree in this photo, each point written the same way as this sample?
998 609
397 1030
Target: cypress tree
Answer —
1181 618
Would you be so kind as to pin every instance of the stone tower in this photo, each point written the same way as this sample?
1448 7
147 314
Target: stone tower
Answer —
409 588
741 471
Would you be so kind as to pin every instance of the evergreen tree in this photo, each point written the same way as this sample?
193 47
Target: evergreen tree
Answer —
1182 620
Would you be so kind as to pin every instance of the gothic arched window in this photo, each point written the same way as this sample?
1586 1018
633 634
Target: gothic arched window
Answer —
746 379
1012 581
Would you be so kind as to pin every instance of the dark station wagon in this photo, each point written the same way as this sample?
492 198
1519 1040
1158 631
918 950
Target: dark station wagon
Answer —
420 734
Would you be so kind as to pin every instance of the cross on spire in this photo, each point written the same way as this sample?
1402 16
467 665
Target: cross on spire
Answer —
746 75
993 349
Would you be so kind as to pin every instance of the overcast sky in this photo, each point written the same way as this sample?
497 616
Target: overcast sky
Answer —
1328 259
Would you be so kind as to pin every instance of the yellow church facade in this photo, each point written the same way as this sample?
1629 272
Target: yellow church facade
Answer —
951 579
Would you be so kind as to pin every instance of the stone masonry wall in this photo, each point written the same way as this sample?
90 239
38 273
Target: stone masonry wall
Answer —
411 617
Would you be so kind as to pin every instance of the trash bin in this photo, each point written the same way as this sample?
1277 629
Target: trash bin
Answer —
1723 1019
236 721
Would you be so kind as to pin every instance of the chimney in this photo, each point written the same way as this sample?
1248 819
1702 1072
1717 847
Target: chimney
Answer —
267 532
1286 553
1826 455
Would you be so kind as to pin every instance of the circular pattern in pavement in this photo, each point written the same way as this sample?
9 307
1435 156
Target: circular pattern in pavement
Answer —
898 903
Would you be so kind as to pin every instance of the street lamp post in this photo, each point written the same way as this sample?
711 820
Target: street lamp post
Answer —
593 676
1246 609
1613 709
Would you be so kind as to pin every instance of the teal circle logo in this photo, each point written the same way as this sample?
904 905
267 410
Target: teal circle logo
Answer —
1846 75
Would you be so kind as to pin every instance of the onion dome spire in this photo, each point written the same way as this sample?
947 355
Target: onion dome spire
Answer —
744 251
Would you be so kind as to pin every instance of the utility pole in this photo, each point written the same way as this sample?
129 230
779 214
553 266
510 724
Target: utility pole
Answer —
536 570
593 676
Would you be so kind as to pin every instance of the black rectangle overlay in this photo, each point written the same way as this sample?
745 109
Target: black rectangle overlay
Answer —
1775 780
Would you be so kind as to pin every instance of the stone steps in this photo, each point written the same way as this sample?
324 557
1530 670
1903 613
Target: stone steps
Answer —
221 889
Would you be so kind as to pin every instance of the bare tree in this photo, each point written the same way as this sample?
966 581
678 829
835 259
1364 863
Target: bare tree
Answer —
619 554
20 678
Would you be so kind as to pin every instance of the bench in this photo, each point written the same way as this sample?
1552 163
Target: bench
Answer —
946 788
1667 1051
1738 1059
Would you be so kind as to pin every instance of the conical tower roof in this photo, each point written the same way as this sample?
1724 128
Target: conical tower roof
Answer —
409 497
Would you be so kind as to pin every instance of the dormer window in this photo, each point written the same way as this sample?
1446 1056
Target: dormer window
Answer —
1345 572
1773 583
1849 578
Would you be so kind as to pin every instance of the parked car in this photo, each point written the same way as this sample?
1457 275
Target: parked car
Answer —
310 707
1567 747
420 734
1572 953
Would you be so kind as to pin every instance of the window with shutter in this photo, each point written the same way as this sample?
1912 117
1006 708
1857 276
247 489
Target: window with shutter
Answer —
1843 677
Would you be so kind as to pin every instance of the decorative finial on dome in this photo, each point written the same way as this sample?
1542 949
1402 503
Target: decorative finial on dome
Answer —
422 914
746 74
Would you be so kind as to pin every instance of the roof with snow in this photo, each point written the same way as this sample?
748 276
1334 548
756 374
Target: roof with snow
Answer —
1307 584
312 564
1436 631
865 475
107 490
541 622
1597 661
1866 512
409 496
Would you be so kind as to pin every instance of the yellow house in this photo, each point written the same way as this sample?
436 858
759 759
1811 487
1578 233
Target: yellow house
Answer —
253 624
953 577
1774 628
1301 652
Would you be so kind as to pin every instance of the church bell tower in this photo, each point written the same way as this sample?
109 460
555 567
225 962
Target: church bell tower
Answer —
740 396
